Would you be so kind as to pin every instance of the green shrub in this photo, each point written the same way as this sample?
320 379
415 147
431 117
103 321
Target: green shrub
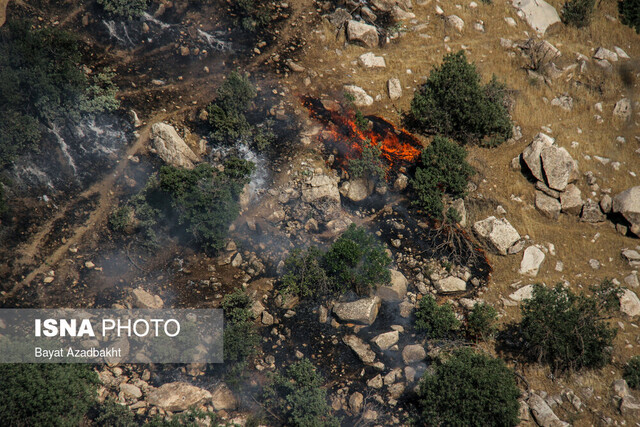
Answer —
577 13
632 372
120 219
46 394
41 84
298 396
189 418
568 331
469 389
630 13
114 414
128 9
436 321
304 275
369 165
240 336
254 15
237 307
357 261
206 201
453 102
443 169
481 321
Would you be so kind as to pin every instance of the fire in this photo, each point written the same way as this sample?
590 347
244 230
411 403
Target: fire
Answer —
398 147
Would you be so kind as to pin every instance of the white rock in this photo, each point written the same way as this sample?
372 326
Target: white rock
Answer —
451 284
361 348
605 54
362 99
559 167
622 109
394 89
539 14
629 303
531 261
621 53
362 33
456 22
396 290
413 353
386 340
177 396
510 21
143 299
362 311
370 60
531 154
498 234
170 147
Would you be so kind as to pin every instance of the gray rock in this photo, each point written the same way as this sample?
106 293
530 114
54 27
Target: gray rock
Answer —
621 53
223 399
340 17
413 353
622 109
401 182
386 340
571 200
399 14
171 148
361 311
458 205
525 292
498 234
559 167
321 186
450 284
539 14
606 204
632 257
591 212
455 22
546 190
531 261
620 388
629 303
564 101
357 189
543 414
396 290
605 54
361 98
370 60
143 299
632 280
362 33
362 349
548 206
531 154
355 402
394 88
177 396
405 308
630 407
627 203
375 382
130 391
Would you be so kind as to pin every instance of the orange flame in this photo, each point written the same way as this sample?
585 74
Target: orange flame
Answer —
398 147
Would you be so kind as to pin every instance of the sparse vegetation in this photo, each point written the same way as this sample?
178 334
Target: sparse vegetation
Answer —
481 322
630 13
304 274
299 397
436 321
453 102
578 13
127 9
632 372
443 169
469 389
568 331
240 335
46 394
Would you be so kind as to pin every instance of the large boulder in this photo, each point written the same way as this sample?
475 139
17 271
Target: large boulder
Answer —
559 167
413 353
531 154
143 299
360 32
357 189
539 14
360 97
451 284
386 340
627 203
531 261
543 414
498 234
396 290
360 311
171 148
321 186
223 399
361 348
370 60
177 396
629 303
571 200
547 205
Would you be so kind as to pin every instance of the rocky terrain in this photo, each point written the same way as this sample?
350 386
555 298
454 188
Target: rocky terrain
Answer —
558 202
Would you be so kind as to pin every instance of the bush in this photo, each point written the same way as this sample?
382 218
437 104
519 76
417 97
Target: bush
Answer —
240 336
41 83
437 321
304 275
443 169
469 389
113 414
206 201
568 331
46 394
454 103
254 14
189 418
298 396
128 9
369 165
578 13
632 372
120 219
630 13
481 321
357 261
